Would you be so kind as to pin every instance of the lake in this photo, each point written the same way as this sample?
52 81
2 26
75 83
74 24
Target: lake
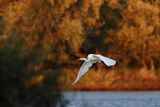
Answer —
112 99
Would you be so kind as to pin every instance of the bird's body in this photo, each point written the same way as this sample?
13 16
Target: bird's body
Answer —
93 58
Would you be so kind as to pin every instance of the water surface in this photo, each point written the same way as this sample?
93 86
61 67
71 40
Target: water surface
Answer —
113 99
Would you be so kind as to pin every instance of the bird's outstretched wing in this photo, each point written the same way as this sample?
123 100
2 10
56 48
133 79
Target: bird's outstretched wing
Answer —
107 61
84 68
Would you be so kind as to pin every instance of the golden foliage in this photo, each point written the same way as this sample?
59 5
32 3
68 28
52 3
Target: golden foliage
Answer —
137 36
60 31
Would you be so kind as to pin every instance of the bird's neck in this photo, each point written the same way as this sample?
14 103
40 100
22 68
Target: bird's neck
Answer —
87 59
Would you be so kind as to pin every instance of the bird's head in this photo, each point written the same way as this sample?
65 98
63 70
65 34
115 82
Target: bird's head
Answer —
82 59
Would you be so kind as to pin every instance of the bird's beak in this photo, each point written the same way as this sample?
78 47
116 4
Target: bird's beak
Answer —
81 59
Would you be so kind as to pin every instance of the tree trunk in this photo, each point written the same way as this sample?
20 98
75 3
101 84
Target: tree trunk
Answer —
152 67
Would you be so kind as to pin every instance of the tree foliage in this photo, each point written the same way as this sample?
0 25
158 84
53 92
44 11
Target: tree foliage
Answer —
60 31
138 33
21 86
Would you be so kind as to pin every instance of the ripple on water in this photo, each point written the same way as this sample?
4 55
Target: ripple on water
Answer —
113 99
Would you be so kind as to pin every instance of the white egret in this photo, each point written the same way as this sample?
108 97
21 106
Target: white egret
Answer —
92 58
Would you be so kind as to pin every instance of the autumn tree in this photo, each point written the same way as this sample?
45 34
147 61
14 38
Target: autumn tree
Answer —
60 31
138 36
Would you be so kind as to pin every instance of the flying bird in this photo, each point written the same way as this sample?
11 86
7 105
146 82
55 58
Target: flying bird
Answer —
92 58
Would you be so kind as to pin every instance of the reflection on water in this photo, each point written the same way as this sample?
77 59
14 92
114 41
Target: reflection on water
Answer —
113 99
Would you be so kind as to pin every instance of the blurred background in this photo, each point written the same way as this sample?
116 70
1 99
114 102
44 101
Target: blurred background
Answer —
41 40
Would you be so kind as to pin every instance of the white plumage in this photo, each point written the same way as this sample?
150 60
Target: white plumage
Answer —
93 58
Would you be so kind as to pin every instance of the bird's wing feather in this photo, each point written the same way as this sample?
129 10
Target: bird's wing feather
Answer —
84 68
107 61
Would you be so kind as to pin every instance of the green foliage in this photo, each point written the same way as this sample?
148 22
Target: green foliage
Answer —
15 76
